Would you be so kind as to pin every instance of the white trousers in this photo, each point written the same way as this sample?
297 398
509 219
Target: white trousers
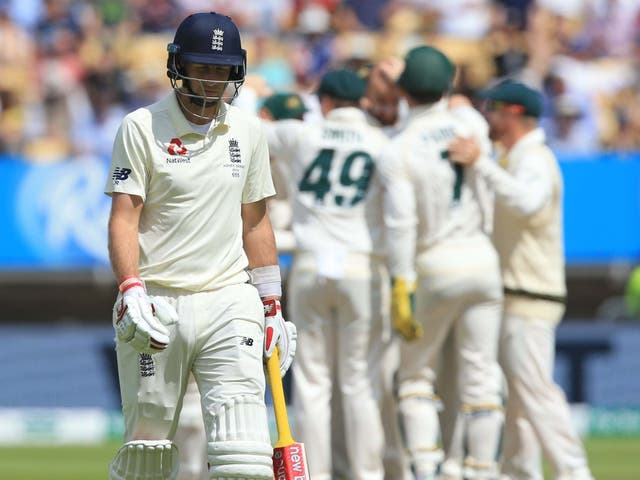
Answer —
219 338
459 294
334 317
384 358
537 416
190 437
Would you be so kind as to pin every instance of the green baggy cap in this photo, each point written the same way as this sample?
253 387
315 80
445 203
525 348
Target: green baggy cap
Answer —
516 93
285 105
343 85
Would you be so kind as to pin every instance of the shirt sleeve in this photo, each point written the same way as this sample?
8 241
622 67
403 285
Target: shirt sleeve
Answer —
526 189
258 184
479 129
399 204
282 136
128 172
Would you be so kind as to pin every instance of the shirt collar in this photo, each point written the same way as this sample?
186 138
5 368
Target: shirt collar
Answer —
420 111
349 114
535 136
182 125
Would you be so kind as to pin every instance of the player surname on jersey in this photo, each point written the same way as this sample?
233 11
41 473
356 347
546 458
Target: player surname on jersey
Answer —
341 135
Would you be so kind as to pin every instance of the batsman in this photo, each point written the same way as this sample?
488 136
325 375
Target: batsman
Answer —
193 249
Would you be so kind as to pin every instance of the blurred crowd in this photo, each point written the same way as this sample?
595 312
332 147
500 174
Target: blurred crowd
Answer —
70 69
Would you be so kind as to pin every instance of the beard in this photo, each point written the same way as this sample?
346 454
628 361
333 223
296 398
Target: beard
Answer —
495 133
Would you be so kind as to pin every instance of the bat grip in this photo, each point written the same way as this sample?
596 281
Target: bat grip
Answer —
279 405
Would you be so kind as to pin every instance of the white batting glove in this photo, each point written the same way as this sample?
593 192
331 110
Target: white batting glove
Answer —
141 321
279 333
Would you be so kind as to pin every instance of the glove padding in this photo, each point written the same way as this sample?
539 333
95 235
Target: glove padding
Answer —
402 299
279 333
141 321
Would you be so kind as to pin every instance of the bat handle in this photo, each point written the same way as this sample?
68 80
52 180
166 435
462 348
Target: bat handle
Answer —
279 405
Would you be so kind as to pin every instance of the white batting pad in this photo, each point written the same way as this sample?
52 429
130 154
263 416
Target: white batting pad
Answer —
241 446
145 460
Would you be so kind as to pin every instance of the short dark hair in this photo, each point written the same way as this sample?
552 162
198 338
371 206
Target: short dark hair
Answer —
424 98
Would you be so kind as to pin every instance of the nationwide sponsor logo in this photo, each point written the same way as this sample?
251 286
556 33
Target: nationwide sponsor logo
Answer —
217 39
120 174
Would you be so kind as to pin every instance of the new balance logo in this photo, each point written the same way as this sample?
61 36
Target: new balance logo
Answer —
120 174
246 341
234 151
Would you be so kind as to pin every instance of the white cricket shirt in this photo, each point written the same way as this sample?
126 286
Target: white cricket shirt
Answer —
192 185
528 222
334 179
430 199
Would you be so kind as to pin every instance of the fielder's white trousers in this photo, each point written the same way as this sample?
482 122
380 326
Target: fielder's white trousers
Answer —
537 414
334 317
459 293
384 359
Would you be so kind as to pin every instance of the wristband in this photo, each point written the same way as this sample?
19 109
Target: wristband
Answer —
266 280
130 281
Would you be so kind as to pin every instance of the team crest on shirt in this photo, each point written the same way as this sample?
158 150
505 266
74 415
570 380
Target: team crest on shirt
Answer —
235 158
178 152
234 151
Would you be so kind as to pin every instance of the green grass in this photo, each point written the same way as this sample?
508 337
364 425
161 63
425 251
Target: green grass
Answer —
56 463
610 459
614 458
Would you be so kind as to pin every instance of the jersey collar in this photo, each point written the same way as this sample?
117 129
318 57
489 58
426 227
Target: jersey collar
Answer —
535 136
348 114
424 110
181 124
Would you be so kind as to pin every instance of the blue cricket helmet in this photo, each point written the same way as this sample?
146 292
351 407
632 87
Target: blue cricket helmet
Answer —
207 38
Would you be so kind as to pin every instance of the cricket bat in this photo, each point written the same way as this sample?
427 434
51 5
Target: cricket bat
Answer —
289 457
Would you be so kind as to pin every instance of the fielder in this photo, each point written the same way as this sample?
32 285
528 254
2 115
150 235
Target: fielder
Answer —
381 104
338 279
282 106
528 236
451 415
441 256
193 249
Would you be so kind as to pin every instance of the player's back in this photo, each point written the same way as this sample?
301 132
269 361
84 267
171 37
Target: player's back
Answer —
448 196
336 202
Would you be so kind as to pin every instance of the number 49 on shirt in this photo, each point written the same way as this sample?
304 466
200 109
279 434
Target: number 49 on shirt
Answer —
349 189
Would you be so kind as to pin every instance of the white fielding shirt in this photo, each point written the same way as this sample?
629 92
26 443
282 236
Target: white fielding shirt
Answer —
337 198
429 199
192 186
528 221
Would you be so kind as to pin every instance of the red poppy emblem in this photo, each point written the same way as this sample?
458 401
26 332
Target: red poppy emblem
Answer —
176 147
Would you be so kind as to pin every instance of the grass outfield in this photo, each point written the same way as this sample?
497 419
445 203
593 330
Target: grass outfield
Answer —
610 459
